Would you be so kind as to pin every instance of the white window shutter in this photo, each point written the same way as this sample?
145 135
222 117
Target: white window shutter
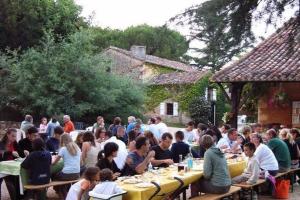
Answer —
175 109
162 108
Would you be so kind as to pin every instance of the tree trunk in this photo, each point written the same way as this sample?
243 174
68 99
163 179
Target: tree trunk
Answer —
236 91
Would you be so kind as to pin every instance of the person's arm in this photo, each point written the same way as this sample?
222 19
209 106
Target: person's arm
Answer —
83 188
155 162
143 166
85 149
207 166
26 164
57 158
254 174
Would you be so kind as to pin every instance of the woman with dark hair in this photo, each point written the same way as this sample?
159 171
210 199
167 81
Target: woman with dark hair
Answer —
131 140
100 135
216 178
106 158
89 150
153 141
8 151
114 126
296 136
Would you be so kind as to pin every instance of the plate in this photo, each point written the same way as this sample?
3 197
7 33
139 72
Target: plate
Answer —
144 185
132 181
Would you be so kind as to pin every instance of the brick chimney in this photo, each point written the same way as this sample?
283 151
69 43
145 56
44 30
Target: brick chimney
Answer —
138 51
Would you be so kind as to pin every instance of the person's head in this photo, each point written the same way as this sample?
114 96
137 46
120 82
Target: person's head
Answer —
246 131
89 137
10 136
212 133
257 128
152 120
117 121
142 144
38 145
66 118
295 133
108 134
256 139
110 149
32 133
28 118
131 135
53 119
225 128
207 141
66 141
249 149
79 138
179 136
100 133
100 120
202 127
190 126
92 174
166 140
285 134
120 131
58 131
149 135
270 134
106 175
44 120
139 121
157 119
232 134
131 119
137 128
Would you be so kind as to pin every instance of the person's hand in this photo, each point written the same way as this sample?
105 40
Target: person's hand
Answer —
116 175
15 154
26 153
169 161
224 146
151 154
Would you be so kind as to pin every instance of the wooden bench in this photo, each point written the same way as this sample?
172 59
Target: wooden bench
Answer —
233 190
51 184
251 186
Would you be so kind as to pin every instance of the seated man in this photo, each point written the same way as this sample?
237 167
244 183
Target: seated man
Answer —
280 150
189 134
138 160
25 145
230 143
163 156
52 143
180 147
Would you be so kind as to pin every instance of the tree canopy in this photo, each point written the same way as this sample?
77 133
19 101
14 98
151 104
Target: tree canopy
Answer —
160 41
67 78
24 23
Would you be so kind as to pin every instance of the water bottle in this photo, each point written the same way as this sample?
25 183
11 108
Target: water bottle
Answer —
150 167
190 160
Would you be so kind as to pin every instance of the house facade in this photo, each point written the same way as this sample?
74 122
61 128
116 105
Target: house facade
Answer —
171 76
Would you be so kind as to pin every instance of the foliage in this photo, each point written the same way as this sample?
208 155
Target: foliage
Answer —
155 95
160 41
68 78
209 25
24 23
200 110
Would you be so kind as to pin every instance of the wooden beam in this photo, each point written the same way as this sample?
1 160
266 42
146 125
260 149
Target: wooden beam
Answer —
236 91
224 92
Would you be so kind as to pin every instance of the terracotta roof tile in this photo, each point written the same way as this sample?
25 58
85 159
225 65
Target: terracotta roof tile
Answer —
272 60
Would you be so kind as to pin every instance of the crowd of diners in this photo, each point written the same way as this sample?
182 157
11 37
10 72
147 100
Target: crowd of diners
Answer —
98 157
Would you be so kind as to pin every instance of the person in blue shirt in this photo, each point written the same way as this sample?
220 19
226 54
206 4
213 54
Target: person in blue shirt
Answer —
52 143
51 126
131 125
180 147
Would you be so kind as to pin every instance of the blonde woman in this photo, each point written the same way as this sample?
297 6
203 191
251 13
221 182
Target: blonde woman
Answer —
287 137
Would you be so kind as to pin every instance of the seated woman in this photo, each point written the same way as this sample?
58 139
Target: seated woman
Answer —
216 178
106 158
79 190
131 140
70 153
287 137
89 150
8 151
38 164
153 141
107 186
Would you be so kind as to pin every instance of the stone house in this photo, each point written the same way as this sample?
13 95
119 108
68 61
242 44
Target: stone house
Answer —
155 71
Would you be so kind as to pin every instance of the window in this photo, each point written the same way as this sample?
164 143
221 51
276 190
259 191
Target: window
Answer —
170 109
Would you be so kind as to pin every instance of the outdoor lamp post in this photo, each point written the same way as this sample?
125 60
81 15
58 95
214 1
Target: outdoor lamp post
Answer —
213 98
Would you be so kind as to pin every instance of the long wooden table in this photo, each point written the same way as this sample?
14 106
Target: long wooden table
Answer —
168 184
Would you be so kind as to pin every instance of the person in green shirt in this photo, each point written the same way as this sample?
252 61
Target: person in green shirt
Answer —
280 150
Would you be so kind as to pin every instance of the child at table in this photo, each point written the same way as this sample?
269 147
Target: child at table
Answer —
107 186
80 189
251 173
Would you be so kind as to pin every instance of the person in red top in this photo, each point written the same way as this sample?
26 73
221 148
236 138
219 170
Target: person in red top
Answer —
8 151
68 124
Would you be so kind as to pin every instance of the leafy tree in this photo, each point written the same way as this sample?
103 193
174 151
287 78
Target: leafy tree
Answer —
24 23
209 26
67 77
160 41
200 110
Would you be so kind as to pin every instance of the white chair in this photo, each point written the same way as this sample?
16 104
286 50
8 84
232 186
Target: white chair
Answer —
74 134
97 196
90 128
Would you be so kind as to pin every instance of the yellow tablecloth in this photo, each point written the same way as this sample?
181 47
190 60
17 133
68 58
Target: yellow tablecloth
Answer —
169 185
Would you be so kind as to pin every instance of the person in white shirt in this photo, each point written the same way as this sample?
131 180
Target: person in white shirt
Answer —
230 143
266 158
122 151
224 129
189 133
153 128
251 173
161 127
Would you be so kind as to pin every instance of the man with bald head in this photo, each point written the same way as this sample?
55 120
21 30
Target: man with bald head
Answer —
68 124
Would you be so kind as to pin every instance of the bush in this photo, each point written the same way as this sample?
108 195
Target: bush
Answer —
200 110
